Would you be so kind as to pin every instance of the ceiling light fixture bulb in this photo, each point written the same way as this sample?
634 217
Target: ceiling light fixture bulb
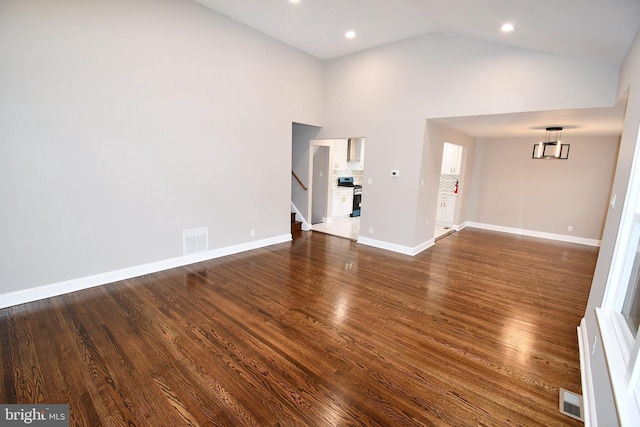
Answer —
294 1
350 34
507 28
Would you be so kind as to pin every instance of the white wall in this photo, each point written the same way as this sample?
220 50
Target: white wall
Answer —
598 371
385 95
125 122
510 189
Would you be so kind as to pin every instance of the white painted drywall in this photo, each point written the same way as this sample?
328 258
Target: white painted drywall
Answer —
386 94
511 189
124 122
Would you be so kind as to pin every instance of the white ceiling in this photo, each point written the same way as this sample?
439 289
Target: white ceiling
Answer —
596 30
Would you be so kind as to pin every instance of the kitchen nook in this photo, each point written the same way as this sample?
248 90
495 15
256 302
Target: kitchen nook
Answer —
342 205
448 190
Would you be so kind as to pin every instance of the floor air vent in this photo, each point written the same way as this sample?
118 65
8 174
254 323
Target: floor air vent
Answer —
571 404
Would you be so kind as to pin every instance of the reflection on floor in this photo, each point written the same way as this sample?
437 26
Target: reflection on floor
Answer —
348 228
441 232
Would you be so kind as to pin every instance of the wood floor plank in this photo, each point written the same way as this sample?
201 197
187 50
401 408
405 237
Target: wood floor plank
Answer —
478 330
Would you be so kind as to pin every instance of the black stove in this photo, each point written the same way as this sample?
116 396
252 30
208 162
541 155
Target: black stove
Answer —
347 181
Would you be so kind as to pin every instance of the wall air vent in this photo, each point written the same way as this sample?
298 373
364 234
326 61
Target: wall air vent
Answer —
195 240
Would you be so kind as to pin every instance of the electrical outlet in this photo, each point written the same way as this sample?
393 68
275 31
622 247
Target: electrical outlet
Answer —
570 228
370 230
370 181
252 232
593 347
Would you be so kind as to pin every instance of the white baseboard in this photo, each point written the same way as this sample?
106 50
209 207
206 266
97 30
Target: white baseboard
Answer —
589 405
73 285
423 246
305 225
406 250
530 233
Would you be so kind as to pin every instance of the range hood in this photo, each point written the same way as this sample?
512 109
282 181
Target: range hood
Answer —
354 149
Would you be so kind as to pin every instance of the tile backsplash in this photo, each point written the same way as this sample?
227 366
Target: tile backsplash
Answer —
448 183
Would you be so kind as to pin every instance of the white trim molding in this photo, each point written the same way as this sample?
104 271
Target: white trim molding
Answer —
73 285
586 378
531 233
617 356
405 250
305 225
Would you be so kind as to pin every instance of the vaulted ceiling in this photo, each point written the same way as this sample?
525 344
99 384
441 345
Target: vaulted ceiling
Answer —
596 30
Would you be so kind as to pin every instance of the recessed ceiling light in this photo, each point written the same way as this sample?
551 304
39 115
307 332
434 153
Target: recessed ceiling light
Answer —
350 34
507 28
294 1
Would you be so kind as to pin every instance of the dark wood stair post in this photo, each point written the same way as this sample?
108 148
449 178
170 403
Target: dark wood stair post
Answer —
296 226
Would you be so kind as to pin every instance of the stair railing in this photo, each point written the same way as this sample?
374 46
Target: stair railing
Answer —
298 179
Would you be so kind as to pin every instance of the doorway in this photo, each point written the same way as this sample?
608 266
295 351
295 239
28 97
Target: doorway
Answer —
336 174
448 193
320 183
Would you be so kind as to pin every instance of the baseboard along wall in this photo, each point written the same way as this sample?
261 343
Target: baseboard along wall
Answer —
531 233
73 285
60 288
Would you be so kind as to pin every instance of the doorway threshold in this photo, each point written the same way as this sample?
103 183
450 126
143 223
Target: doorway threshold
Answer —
348 228
442 231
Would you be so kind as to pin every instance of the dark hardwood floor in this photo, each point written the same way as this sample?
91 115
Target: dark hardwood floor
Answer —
478 330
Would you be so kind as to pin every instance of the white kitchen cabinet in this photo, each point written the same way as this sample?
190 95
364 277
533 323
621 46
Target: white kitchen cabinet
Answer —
451 159
446 208
341 203
339 154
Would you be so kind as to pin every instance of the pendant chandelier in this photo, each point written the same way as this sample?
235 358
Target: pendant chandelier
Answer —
551 147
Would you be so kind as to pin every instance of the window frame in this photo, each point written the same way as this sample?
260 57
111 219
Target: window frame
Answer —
621 348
